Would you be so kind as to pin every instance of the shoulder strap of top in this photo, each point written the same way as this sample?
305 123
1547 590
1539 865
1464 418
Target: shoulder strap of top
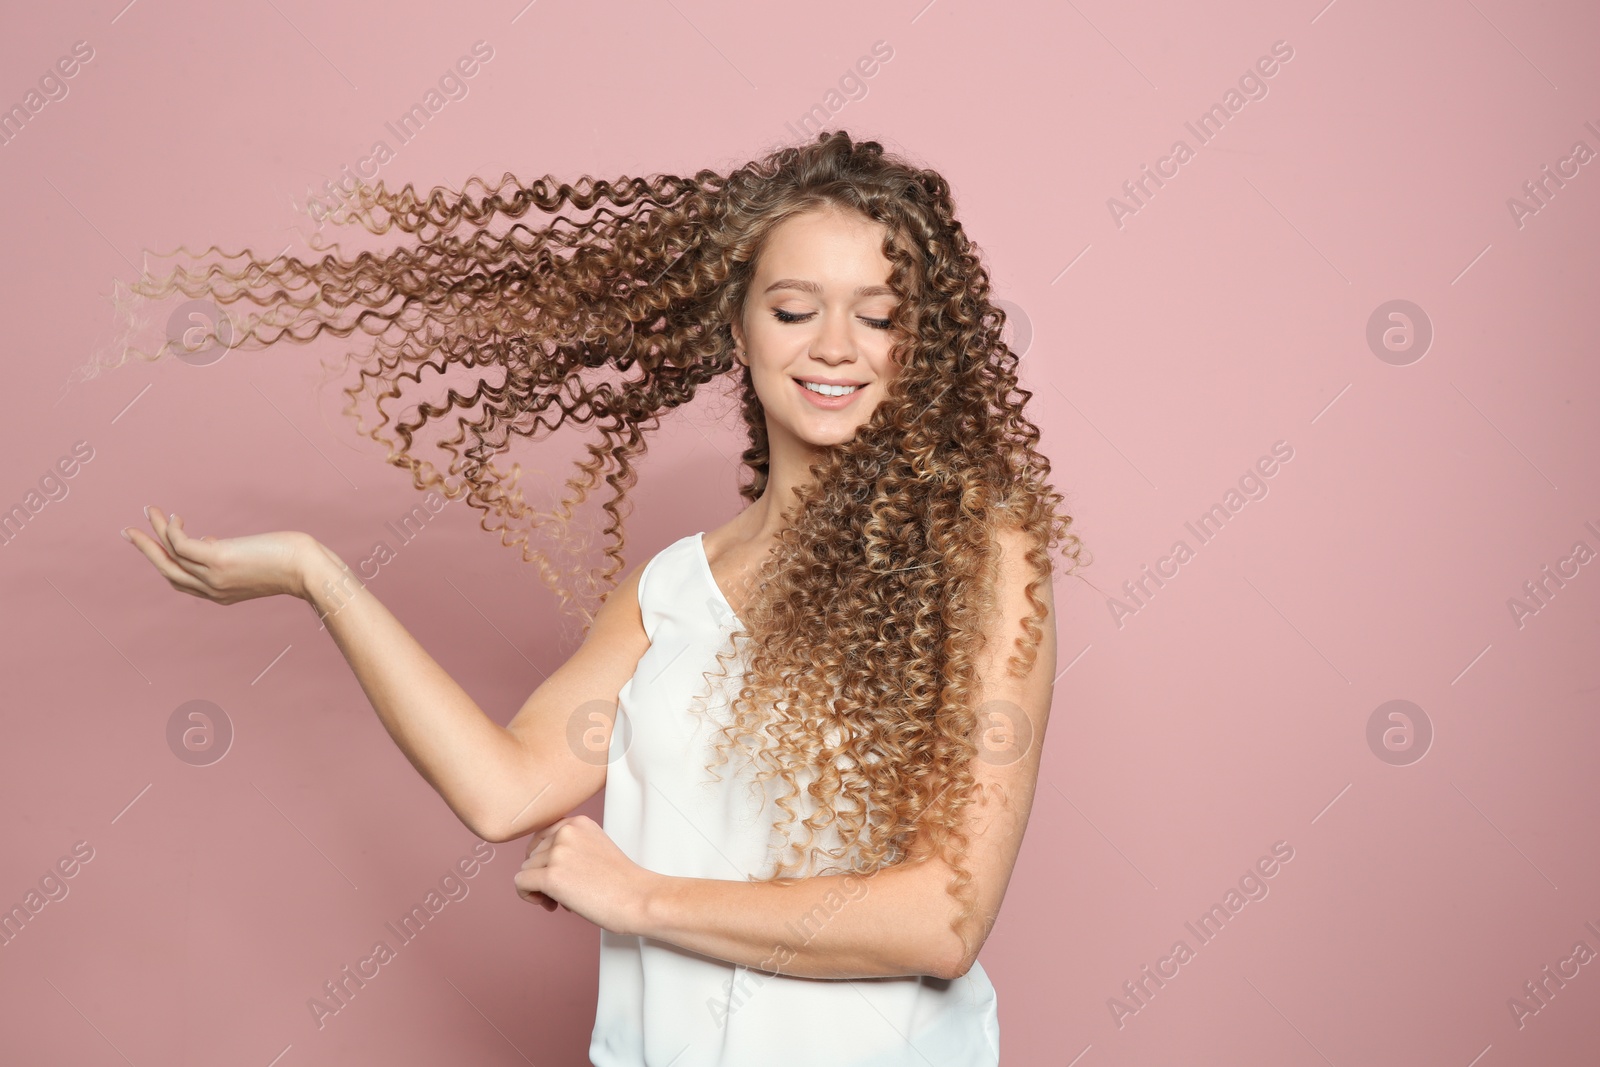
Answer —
676 586
647 602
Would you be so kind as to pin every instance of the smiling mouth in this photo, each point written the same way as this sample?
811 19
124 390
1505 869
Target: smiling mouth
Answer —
830 390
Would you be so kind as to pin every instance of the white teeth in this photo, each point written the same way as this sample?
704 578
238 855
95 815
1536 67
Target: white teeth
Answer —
831 390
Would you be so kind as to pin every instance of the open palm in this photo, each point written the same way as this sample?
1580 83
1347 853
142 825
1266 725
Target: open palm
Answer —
224 570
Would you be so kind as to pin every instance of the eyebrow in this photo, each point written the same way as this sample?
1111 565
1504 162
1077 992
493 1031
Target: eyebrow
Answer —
813 287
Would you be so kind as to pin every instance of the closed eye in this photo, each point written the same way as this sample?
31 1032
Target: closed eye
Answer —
791 316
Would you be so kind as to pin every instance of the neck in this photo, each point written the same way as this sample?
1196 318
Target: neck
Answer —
789 469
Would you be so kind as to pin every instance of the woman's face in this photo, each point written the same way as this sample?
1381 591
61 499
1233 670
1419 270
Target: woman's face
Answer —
818 311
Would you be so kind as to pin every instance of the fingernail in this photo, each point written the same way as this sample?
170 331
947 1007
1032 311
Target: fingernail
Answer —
125 537
173 517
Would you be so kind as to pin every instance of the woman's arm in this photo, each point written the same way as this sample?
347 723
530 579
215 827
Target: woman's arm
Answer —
895 921
501 781
886 923
471 761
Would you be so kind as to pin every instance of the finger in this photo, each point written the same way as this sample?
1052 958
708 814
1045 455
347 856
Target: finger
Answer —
525 889
156 553
152 547
537 898
193 555
160 524
544 834
189 549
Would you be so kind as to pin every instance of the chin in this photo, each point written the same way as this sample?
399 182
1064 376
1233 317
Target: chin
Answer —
832 439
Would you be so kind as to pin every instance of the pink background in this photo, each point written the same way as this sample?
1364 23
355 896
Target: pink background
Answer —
1167 355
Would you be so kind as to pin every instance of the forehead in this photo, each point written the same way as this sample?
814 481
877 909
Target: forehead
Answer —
828 245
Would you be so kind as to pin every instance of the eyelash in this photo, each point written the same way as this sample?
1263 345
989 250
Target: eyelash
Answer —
792 316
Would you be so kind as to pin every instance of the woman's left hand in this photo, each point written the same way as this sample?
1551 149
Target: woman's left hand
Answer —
573 863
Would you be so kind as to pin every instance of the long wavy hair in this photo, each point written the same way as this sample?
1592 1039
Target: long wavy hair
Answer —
860 686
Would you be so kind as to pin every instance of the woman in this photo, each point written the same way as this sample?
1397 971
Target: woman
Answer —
886 592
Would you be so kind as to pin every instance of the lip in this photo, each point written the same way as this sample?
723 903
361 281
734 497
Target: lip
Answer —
831 403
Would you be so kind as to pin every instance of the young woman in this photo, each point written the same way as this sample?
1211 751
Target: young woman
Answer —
885 594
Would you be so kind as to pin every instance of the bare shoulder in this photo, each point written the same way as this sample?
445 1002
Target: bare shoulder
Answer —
616 638
624 599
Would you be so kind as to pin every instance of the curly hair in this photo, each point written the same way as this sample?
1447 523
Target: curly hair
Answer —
869 613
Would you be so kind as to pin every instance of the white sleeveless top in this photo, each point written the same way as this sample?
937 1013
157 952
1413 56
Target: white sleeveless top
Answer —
664 1006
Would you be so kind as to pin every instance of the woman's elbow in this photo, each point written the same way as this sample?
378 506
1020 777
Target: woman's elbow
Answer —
958 967
954 959
493 831
961 947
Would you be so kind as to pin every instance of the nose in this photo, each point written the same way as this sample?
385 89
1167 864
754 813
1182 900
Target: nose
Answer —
835 342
